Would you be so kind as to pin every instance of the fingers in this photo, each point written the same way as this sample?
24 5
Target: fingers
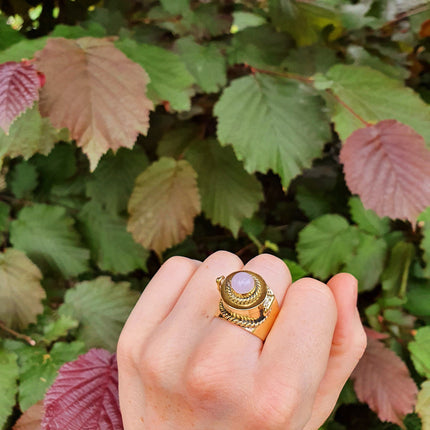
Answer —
349 342
277 276
158 299
173 341
274 271
228 352
296 352
161 333
155 303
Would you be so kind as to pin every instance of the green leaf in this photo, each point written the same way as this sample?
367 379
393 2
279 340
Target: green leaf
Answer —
423 405
254 226
112 20
418 297
70 193
205 63
367 219
75 31
163 204
38 369
57 167
176 140
356 16
420 351
319 59
228 193
58 328
325 243
297 271
395 276
272 123
20 290
24 49
424 220
111 245
305 21
101 307
4 216
259 47
29 134
116 173
204 21
176 7
367 262
23 179
46 234
170 79
8 37
361 57
375 97
313 203
242 20
8 382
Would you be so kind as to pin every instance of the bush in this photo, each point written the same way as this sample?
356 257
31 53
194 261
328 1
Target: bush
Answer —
134 131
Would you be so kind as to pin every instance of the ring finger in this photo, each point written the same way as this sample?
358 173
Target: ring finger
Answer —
228 348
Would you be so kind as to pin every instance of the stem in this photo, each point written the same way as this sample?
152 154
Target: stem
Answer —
310 81
405 275
245 248
283 75
349 109
28 339
407 14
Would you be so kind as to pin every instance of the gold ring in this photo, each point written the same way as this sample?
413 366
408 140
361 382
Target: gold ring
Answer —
248 302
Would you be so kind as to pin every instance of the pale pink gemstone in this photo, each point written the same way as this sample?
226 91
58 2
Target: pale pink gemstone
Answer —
242 283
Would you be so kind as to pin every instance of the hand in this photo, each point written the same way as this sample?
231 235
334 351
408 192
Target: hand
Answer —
182 368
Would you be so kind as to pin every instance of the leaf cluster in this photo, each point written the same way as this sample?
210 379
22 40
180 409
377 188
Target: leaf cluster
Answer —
134 131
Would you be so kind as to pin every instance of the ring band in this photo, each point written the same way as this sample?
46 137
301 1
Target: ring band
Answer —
247 302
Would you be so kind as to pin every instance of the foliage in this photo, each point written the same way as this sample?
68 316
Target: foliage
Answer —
134 131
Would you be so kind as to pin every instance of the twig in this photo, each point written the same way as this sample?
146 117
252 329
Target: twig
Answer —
407 14
283 75
28 339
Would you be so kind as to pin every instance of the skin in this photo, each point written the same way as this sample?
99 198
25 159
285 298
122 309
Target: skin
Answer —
180 367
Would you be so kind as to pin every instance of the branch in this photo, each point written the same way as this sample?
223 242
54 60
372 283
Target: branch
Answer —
28 339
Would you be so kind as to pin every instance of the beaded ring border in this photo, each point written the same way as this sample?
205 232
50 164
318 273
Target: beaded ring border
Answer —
247 302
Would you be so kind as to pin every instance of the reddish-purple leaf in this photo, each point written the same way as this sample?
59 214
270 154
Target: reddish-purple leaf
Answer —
382 380
85 395
19 89
387 165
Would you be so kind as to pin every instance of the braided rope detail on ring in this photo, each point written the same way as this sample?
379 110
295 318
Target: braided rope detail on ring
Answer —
244 321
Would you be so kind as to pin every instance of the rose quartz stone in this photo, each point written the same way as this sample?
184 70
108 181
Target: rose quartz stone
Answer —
242 283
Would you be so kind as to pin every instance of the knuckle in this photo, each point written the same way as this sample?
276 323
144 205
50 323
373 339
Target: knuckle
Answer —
155 363
276 408
202 381
126 351
317 289
224 257
177 262
274 264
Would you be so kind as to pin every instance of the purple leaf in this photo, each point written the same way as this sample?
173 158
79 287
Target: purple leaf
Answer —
85 395
19 89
